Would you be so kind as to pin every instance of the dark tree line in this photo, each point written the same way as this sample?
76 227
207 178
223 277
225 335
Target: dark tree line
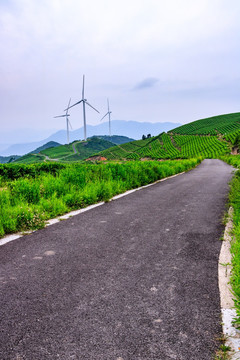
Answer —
146 137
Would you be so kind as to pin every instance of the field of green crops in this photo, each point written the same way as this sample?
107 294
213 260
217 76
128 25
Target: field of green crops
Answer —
32 194
167 146
207 146
222 124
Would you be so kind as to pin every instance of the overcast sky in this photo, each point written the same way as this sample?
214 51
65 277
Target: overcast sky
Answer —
156 60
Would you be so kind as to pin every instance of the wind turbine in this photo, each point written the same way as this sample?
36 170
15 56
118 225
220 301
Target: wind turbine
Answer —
67 120
109 118
84 101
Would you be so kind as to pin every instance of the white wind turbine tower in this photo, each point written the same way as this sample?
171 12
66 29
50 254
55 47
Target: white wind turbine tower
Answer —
109 118
84 101
67 120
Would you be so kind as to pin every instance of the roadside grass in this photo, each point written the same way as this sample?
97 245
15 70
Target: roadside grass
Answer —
223 353
32 194
234 201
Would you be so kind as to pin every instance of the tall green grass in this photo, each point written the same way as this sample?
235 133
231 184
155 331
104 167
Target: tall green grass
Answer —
30 195
234 200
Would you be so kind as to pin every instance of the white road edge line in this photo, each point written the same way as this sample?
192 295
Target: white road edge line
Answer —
232 335
8 238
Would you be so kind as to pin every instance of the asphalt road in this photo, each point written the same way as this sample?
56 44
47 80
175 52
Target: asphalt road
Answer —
134 279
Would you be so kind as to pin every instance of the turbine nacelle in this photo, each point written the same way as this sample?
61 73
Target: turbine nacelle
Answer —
109 117
84 101
67 120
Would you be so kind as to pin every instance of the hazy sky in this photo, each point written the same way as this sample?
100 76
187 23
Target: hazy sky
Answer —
156 60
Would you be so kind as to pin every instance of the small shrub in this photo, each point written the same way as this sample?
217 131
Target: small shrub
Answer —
8 220
53 185
52 207
89 195
73 200
28 218
4 197
1 229
104 191
26 190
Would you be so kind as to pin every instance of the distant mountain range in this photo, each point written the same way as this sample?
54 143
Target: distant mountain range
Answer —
132 129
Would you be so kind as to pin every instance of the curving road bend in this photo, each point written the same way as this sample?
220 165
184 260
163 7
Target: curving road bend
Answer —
133 279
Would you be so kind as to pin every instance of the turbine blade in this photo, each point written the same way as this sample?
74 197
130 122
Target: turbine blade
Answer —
83 87
68 106
60 116
108 104
104 116
70 124
91 107
73 105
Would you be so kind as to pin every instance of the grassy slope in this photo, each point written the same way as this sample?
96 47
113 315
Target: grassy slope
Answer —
58 152
115 139
48 145
66 152
221 124
167 146
30 159
209 138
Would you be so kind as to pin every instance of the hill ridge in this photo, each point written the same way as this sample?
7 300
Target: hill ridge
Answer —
209 138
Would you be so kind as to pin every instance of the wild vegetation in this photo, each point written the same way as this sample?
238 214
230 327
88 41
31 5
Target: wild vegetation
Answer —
31 194
233 138
234 200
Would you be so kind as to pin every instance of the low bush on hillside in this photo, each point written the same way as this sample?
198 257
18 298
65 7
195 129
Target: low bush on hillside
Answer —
32 194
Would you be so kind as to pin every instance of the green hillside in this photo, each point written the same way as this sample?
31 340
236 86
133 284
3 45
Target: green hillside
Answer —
76 151
115 139
221 124
30 159
48 145
209 138
167 146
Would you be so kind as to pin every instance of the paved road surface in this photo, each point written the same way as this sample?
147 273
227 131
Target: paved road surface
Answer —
134 279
